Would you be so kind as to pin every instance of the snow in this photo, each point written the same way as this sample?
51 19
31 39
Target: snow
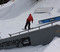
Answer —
6 5
14 24
43 10
13 17
17 7
26 49
10 24
54 46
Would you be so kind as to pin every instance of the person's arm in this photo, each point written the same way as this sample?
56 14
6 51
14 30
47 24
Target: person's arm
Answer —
32 20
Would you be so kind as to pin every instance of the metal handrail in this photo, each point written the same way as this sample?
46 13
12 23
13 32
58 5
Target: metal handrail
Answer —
32 28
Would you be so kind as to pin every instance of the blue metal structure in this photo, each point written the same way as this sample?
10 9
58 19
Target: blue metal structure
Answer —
54 19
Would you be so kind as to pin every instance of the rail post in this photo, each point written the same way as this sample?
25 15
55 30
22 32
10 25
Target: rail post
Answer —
10 35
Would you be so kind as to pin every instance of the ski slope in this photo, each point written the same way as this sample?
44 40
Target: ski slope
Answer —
15 8
15 20
12 24
16 24
12 10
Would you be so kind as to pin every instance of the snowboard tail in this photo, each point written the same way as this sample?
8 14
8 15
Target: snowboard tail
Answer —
27 29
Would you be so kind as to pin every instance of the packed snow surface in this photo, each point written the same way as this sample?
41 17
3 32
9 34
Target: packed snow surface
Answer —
54 46
12 20
15 24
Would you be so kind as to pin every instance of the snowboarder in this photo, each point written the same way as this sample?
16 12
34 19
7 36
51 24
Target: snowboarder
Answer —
29 19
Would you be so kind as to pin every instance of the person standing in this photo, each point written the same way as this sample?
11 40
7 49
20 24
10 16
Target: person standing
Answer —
29 19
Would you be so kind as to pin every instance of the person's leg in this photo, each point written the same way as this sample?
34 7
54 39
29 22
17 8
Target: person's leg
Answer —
28 25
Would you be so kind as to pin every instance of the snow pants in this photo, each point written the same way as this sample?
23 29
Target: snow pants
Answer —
27 24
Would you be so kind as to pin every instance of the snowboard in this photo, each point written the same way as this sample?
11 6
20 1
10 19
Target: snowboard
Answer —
27 29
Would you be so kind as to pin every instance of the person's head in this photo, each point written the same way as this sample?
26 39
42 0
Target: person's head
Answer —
30 14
